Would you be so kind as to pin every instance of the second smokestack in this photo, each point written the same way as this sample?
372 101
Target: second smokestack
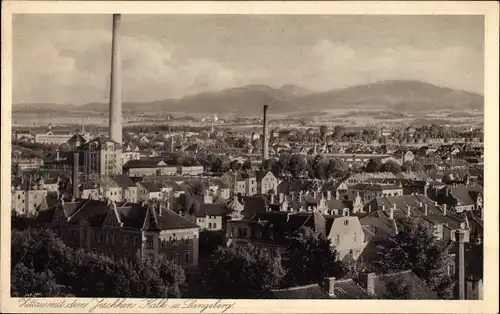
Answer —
115 106
265 143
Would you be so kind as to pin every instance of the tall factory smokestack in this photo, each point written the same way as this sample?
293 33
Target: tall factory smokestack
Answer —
75 178
115 106
265 144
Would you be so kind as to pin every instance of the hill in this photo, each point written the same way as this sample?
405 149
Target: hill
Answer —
404 96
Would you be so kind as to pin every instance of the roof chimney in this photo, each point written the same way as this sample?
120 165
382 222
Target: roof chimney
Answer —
265 142
367 282
329 286
460 235
328 195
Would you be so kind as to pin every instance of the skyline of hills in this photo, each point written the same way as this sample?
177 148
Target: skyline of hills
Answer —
392 95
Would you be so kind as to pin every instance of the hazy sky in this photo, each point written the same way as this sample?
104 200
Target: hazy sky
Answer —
66 58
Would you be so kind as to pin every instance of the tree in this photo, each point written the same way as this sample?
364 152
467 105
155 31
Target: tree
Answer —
415 248
234 165
397 288
391 166
25 282
336 168
267 165
373 165
297 165
309 258
247 165
242 271
42 265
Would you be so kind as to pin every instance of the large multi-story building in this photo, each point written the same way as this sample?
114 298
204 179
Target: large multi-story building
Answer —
121 230
28 195
101 156
51 137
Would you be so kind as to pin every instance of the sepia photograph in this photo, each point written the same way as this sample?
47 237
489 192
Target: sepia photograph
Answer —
246 157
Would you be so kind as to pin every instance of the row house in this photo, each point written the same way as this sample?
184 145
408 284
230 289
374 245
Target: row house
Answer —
211 217
117 188
385 212
366 177
27 196
266 182
122 230
240 183
337 190
269 227
147 191
368 192
148 167
460 197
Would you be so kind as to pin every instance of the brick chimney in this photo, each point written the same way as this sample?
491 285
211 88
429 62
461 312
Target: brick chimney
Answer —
460 263
329 286
367 282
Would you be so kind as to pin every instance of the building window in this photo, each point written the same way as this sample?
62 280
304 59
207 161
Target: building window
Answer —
187 241
149 243
125 240
346 222
451 270
175 258
209 225
101 237
187 258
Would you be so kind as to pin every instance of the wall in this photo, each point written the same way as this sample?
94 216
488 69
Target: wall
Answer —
130 194
269 182
346 234
211 223
180 245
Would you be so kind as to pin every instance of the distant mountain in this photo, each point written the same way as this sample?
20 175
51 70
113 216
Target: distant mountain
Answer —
409 96
405 96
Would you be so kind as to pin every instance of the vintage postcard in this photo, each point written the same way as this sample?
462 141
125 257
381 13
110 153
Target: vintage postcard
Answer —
249 157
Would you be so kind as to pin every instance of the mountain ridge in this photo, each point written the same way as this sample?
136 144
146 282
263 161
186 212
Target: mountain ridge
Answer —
394 95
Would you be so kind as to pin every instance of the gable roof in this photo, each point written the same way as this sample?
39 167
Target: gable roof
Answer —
123 181
144 163
151 187
211 210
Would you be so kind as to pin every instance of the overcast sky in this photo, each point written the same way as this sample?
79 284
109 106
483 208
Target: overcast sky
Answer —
66 58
